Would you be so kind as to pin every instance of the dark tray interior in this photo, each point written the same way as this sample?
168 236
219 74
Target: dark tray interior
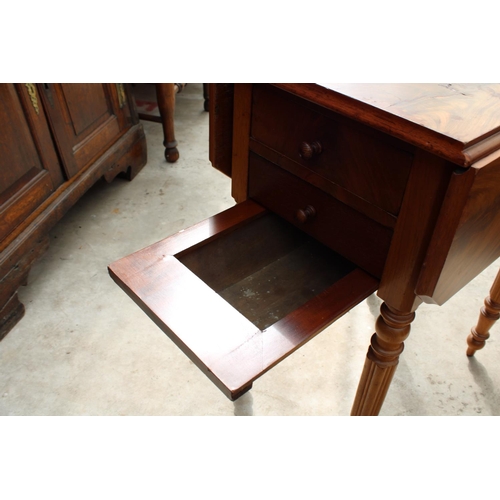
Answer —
266 269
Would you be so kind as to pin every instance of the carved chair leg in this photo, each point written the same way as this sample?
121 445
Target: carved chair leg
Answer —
165 96
392 328
490 313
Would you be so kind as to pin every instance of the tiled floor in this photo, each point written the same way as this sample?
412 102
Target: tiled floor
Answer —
84 348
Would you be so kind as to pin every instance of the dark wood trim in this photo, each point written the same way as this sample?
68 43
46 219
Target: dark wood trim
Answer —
455 151
127 155
241 137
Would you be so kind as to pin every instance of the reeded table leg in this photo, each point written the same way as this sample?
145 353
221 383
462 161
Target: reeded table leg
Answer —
490 313
392 328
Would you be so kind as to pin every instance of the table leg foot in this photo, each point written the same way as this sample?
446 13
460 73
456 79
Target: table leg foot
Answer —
171 152
391 329
490 313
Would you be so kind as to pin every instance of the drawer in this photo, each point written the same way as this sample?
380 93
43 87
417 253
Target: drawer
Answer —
337 225
241 291
369 164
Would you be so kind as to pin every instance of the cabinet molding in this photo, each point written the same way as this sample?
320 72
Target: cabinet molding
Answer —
36 189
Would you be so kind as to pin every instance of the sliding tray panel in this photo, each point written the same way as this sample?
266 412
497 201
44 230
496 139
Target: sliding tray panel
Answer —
240 291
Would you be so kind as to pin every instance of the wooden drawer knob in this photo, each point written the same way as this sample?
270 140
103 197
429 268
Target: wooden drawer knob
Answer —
309 150
305 214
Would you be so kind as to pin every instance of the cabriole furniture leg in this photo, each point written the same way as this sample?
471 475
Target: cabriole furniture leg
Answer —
392 328
489 314
165 95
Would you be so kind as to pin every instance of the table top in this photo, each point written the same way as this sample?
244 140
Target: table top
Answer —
460 122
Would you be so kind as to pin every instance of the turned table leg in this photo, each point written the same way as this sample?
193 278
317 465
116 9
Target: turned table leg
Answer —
392 328
165 96
490 313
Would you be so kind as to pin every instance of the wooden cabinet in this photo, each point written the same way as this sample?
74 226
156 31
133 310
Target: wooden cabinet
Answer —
86 119
28 175
56 140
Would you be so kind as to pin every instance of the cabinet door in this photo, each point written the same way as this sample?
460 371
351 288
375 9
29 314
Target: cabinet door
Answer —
86 119
29 168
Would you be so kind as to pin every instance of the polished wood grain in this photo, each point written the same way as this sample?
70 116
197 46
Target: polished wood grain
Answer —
241 137
466 241
426 188
84 120
376 172
221 110
336 225
315 179
441 107
234 341
391 329
430 116
454 201
488 316
25 182
40 133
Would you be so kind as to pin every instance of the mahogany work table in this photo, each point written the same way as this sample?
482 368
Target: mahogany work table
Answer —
341 190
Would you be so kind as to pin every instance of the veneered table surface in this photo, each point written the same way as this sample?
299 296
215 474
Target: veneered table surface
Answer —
460 122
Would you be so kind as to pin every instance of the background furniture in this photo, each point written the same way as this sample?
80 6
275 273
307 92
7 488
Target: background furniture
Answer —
165 96
56 140
389 187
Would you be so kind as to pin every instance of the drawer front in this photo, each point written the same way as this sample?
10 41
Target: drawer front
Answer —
369 164
348 232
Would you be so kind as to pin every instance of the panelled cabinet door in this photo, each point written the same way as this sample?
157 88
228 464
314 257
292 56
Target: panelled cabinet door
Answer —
86 119
29 168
